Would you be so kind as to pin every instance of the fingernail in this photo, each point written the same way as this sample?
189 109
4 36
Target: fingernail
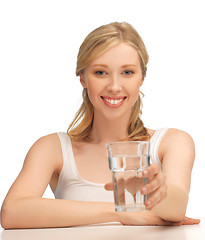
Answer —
144 190
145 173
148 204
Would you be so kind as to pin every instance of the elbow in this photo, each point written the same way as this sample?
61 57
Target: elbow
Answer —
172 208
7 218
177 209
5 224
174 217
173 214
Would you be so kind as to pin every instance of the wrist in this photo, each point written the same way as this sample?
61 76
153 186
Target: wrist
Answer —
173 207
110 214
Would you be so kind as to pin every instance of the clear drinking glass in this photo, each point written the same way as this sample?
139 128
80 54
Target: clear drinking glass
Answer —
127 160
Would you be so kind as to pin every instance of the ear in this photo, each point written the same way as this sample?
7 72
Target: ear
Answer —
82 80
142 80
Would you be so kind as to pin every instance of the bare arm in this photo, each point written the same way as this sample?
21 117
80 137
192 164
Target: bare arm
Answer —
178 157
168 188
38 212
24 206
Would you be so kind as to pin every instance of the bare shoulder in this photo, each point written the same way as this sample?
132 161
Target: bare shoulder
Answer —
178 142
41 162
175 136
48 140
48 148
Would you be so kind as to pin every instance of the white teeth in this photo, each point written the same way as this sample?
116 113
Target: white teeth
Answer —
112 101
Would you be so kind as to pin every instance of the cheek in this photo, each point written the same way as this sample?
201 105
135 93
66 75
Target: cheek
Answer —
91 96
93 92
134 89
134 93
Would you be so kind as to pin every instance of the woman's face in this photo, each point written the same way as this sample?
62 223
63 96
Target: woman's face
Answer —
113 81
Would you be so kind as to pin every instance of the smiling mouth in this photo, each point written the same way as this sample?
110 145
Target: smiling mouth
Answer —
114 101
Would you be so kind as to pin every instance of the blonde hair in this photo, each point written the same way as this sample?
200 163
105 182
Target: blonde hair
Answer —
95 44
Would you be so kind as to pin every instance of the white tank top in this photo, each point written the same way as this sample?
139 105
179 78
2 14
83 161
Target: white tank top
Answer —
71 186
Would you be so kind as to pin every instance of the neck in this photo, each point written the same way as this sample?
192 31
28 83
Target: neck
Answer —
109 130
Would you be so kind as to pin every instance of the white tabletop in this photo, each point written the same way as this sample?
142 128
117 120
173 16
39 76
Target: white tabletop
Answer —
110 231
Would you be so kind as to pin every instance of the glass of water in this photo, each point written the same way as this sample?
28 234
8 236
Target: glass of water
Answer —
127 160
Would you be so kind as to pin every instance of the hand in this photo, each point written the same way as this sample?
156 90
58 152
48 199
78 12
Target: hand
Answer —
132 181
188 221
147 218
156 188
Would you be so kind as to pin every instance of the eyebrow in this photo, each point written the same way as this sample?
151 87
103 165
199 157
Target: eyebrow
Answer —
128 65
106 66
99 65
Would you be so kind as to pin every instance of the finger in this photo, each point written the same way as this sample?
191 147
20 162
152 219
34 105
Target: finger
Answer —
156 182
175 223
152 170
186 221
156 197
109 186
155 220
190 221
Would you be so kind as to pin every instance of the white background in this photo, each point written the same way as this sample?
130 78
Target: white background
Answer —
39 93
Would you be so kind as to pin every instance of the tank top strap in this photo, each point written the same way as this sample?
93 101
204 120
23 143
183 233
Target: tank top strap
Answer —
154 144
68 173
65 148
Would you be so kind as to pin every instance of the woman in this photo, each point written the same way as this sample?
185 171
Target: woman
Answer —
112 66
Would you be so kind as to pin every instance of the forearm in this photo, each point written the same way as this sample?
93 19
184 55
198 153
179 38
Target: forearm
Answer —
45 213
173 207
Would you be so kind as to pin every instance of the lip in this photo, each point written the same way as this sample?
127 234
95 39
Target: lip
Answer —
113 98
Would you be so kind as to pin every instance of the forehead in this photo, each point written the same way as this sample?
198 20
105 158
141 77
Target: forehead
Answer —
121 54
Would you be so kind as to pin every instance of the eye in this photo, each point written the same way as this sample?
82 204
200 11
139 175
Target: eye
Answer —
100 73
128 72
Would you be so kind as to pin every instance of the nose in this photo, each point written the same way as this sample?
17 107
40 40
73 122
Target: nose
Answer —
114 84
